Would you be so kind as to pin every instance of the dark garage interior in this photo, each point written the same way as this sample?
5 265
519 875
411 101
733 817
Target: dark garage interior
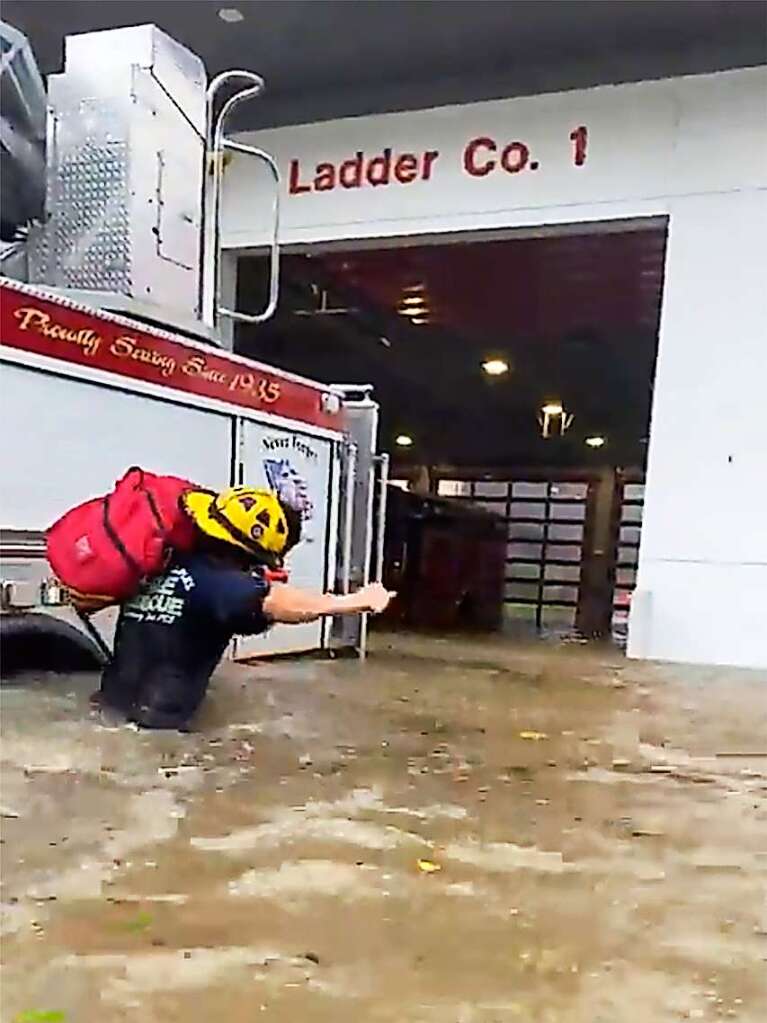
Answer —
513 372
573 315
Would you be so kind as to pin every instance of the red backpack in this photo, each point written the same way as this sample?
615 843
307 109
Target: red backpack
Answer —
103 549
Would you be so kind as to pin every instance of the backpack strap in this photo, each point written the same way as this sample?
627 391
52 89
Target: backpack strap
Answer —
94 633
112 534
152 506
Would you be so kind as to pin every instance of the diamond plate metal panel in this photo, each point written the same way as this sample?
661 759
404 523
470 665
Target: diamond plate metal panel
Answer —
89 198
125 169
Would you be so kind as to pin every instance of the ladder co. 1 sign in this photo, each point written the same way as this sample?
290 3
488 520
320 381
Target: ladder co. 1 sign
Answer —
480 156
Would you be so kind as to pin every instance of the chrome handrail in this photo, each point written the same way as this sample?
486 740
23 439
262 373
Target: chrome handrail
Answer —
274 242
216 145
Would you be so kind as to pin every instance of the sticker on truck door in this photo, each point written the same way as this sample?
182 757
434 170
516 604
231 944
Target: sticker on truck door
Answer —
291 464
291 487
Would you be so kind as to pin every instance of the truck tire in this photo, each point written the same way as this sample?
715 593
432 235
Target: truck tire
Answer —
39 642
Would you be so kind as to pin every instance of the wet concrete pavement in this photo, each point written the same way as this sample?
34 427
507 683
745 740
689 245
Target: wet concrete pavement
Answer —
455 832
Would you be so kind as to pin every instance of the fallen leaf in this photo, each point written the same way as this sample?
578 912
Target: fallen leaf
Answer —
428 866
535 736
40 1016
139 922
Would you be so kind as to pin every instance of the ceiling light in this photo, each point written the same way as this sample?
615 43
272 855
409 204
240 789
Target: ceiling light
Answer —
552 408
554 420
414 287
596 442
231 15
495 367
413 300
404 440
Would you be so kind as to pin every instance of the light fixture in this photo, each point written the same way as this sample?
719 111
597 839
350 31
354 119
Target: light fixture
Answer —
495 367
552 408
419 314
231 15
554 420
596 441
410 300
404 440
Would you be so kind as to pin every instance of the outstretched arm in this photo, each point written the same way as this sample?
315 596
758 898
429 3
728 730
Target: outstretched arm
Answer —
292 606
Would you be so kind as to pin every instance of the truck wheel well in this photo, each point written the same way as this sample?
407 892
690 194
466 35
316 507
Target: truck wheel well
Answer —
39 642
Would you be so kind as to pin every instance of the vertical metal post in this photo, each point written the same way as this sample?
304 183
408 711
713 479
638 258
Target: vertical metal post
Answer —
379 481
383 482
361 428
350 477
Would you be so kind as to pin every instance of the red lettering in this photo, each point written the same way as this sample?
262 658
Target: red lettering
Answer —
406 168
470 164
294 188
428 162
379 169
579 138
325 178
514 157
350 172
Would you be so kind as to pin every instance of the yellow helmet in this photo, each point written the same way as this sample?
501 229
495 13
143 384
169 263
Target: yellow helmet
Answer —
251 519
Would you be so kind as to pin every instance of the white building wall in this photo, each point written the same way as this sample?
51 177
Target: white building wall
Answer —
702 583
693 149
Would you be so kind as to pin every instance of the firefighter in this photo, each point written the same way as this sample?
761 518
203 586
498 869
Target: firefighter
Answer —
173 633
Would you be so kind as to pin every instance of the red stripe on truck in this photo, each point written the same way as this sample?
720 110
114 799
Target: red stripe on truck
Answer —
74 334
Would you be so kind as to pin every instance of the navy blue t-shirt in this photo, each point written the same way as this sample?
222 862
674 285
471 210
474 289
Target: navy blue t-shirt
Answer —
172 634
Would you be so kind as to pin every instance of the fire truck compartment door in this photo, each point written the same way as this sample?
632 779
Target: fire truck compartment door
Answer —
304 468
68 440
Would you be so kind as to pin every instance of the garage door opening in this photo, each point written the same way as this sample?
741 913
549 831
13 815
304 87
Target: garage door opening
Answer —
514 371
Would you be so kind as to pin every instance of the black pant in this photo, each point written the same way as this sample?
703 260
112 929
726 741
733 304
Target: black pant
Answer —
162 698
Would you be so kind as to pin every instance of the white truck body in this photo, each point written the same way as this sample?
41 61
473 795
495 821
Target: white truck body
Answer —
78 413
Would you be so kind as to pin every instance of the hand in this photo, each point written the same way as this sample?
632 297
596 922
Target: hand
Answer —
376 597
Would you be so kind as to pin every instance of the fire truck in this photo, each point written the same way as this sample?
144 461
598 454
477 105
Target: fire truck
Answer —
116 344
